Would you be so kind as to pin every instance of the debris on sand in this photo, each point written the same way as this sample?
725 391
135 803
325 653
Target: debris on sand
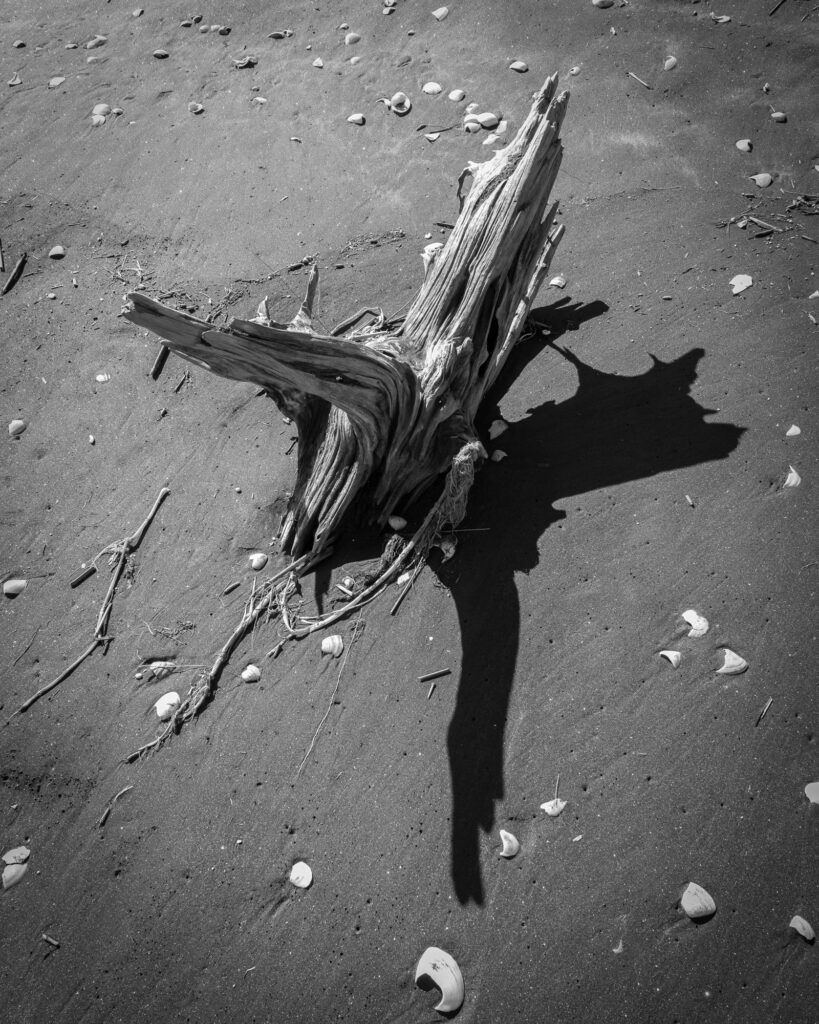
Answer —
697 903
800 925
733 664
301 875
740 282
440 13
510 844
436 967
793 479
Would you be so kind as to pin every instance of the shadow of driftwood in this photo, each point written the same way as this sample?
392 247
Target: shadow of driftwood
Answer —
614 429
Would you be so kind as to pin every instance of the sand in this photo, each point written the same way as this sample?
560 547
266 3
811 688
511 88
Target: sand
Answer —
646 456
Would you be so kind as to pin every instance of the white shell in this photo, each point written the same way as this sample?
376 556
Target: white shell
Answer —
575 70
558 282
488 120
472 127
793 431
16 427
97 120
56 252
352 37
258 560
162 54
318 63
356 119
812 792
457 95
440 13
196 108
99 108
762 180
301 875
259 101
161 669
696 902
400 103
793 479
470 108
166 705
732 664
437 966
672 656
332 645
251 674
12 874
602 3
511 846
740 282
496 428
554 807
54 82
117 111
698 623
777 115
498 455
19 855
519 65
744 145
799 924
11 588
669 63
15 79
397 522
432 88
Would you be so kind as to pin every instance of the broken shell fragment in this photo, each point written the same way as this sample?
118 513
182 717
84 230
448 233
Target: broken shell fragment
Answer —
57 252
812 792
432 88
19 855
399 103
696 902
698 623
778 116
602 3
53 83
669 63
554 807
166 705
18 44
318 63
740 283
13 588
471 127
457 95
437 967
510 846
440 13
258 561
352 37
15 79
99 108
496 428
97 120
558 282
762 180
301 875
251 674
520 66
12 874
397 522
793 431
244 62
498 455
332 645
195 108
574 70
490 139
732 664
673 657
17 427
744 145
793 479
356 119
799 924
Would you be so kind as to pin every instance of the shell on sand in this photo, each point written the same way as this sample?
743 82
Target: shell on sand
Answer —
697 902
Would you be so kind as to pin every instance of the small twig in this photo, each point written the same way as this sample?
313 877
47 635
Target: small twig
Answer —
557 785
407 588
110 805
431 689
56 682
50 941
83 576
14 276
774 9
159 362
435 675
2 258
636 79
28 645
764 711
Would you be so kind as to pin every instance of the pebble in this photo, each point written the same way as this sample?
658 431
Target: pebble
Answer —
56 252
457 95
520 66
356 119
352 37
432 88
17 427
11 588
53 83
160 54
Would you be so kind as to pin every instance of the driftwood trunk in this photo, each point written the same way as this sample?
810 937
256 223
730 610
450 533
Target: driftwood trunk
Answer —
383 412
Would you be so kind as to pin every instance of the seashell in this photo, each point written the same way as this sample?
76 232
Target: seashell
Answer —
501 127
259 101
669 63
778 116
318 63
490 139
471 127
762 180
400 103
245 62
554 807
258 561
732 664
15 79
215 28
720 19
744 145
470 108
520 66
488 120
251 674
102 378
696 902
12 588
97 120
282 33
496 428
498 455
356 119
348 582
92 439
397 522
575 70
70 46
16 427
343 26
19 855
603 3
98 40
18 44
224 30
404 578
740 282
332 645
447 546
793 479
558 282
167 704
457 95
812 792
511 846
432 88
799 924
204 28
301 875
12 874
138 12
195 108
351 38
793 431
53 83
438 968
354 60
99 108
440 13
161 54
674 657
187 23
698 623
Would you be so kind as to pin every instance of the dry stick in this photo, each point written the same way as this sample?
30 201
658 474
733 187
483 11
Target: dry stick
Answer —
636 79
56 682
406 589
110 805
2 258
159 362
434 675
773 10
763 712
14 276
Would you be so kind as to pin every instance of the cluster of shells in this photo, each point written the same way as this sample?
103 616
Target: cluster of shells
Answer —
101 112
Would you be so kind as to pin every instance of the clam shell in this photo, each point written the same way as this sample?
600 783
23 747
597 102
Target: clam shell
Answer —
301 875
166 705
554 807
471 127
674 657
520 66
352 37
251 674
19 855
762 180
11 588
457 95
744 145
696 902
356 119
496 428
812 792
12 874
15 79
799 924
53 83
574 70
698 623
732 663
332 645
397 522
440 13
740 283
432 88
195 108
558 282
18 44
161 54
439 968
99 108
510 844
793 479
97 120
488 120
603 3
778 116
793 431
669 63
400 103
57 251
470 108
258 561
17 427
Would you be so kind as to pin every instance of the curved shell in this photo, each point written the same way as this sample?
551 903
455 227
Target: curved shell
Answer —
520 66
252 674
439 968
696 902
762 180
19 855
17 427
11 588
301 875
97 120
674 657
356 119
488 120
698 623
799 924
510 844
744 145
432 88
12 874
258 561
733 664
793 479
777 115
400 103
457 95
332 645
166 705
99 108
554 807
812 792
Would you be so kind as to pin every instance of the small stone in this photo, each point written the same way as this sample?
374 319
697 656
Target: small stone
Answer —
520 66
57 252
356 119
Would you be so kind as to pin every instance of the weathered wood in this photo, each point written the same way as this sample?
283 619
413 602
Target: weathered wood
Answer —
382 412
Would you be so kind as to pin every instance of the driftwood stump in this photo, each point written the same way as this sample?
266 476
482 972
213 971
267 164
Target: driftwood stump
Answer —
384 411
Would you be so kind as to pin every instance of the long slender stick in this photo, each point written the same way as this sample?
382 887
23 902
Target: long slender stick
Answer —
15 274
56 682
